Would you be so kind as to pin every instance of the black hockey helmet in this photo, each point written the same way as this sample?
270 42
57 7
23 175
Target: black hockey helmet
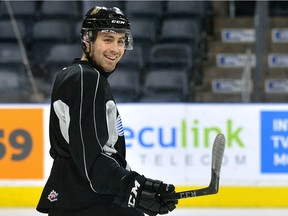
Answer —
109 20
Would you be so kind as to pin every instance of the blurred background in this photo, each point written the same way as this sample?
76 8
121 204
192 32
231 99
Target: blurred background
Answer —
198 67
217 51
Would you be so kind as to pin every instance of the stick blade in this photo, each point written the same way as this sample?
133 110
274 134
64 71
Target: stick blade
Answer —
218 153
217 158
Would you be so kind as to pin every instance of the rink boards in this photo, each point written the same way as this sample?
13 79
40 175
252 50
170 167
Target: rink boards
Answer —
227 197
171 142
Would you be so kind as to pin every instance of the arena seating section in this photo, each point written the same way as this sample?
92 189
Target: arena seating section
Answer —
172 48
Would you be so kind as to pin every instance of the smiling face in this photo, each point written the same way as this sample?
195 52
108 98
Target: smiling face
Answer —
106 50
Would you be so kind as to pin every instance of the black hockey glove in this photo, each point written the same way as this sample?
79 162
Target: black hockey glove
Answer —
142 193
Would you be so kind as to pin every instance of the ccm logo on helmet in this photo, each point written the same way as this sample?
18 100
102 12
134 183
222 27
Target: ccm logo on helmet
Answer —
133 194
118 21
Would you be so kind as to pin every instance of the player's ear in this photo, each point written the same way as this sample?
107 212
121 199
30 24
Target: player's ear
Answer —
85 45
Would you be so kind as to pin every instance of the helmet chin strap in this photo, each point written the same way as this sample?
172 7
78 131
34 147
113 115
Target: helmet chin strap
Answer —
87 55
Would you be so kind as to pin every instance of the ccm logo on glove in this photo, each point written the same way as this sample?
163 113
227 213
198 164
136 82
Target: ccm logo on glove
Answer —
133 194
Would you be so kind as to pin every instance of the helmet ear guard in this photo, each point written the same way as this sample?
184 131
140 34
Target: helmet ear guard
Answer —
109 20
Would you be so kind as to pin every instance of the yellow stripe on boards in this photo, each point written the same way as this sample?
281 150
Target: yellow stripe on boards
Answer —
19 196
239 197
226 197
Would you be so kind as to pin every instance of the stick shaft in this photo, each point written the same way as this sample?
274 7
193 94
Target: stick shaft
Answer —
189 194
211 189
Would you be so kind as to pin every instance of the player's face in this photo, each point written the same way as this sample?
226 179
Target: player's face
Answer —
108 49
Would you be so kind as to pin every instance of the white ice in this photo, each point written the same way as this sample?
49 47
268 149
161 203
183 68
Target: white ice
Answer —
177 212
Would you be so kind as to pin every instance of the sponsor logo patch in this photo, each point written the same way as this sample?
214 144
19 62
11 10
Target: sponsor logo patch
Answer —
53 196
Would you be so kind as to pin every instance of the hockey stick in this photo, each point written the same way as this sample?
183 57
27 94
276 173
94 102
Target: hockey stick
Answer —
217 157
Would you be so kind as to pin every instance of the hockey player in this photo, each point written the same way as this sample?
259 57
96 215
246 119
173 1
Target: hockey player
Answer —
90 176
